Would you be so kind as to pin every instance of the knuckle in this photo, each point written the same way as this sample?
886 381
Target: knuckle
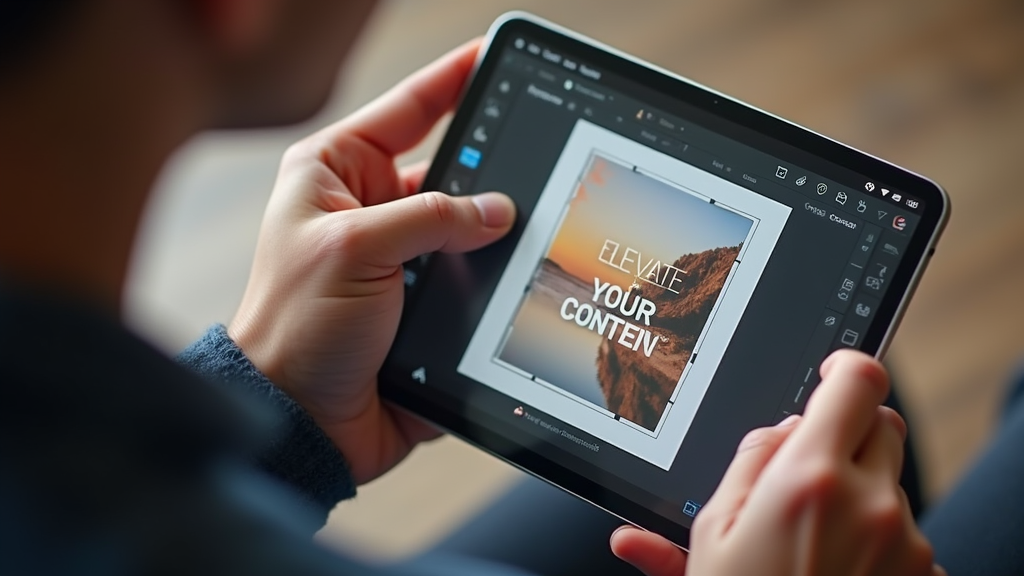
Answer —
439 206
295 152
893 420
871 371
758 437
886 518
705 519
868 369
918 556
751 439
342 239
923 555
820 481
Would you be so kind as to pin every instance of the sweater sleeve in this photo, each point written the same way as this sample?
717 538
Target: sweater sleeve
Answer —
300 454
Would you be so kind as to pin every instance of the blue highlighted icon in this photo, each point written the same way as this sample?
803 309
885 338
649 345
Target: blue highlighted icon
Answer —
469 157
691 508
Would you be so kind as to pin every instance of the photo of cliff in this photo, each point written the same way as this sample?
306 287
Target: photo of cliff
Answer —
638 388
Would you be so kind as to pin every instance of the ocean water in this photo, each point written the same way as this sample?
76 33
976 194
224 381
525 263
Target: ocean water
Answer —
555 350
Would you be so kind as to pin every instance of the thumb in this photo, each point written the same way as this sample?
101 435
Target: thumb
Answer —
752 455
386 235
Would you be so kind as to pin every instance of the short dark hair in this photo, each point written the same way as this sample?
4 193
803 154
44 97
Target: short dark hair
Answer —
25 24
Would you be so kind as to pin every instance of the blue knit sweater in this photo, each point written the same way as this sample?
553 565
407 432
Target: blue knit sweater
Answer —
116 460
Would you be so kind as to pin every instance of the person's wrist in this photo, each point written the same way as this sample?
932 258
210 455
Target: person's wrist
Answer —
361 439
244 333
249 339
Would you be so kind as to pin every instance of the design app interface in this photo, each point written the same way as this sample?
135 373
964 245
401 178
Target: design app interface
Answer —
670 286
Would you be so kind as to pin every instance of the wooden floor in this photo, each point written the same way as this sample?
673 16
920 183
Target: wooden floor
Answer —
934 85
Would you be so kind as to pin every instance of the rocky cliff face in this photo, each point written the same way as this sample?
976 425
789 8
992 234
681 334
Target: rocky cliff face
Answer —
637 387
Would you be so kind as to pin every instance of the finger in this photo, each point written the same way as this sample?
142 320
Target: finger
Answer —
651 554
753 454
895 419
386 235
911 553
883 449
411 177
841 410
404 115
413 428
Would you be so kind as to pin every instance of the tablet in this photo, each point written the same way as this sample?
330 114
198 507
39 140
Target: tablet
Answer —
681 265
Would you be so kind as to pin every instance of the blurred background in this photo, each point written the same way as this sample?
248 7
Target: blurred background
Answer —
934 85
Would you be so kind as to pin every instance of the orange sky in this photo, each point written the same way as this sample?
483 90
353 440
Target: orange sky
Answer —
660 221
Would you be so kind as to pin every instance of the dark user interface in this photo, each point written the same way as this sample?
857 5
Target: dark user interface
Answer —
667 289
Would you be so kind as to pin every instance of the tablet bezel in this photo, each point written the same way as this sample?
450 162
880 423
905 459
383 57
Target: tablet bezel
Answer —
461 420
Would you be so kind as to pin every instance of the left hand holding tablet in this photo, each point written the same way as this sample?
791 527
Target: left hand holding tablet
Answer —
325 295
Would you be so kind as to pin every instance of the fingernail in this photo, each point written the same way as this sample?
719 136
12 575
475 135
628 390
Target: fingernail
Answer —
789 421
496 210
619 529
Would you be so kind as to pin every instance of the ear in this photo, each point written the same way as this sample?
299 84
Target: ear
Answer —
236 26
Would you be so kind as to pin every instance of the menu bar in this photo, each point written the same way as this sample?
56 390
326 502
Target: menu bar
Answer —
870 200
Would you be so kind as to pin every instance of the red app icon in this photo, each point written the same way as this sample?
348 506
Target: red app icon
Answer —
899 223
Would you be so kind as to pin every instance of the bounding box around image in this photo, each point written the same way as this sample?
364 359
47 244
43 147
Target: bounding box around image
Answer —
632 265
615 308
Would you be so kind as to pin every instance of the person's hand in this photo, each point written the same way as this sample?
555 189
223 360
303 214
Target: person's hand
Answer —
815 495
326 290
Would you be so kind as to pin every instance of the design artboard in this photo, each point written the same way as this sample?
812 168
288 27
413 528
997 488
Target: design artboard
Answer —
624 291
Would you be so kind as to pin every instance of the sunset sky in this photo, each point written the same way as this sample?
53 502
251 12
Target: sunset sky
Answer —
638 212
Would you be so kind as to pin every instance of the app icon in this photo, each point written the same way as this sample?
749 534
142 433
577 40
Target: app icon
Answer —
409 277
899 223
458 185
420 375
850 337
480 134
492 109
781 172
691 508
870 186
897 197
801 181
469 157
822 188
885 192
912 203
519 411
863 311
882 214
861 206
841 198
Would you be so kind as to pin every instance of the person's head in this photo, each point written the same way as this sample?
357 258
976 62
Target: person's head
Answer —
255 62
96 94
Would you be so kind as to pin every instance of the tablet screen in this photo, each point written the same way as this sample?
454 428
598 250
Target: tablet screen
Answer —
675 278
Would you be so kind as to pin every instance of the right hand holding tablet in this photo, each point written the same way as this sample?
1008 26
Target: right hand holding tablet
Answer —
815 495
